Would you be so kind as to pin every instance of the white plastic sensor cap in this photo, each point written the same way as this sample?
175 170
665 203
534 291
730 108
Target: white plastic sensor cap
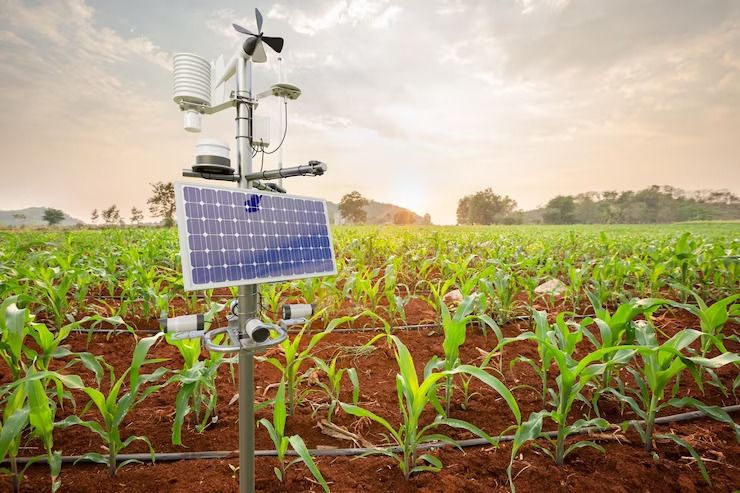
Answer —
212 147
191 121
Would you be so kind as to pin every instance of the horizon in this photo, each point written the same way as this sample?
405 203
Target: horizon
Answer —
537 98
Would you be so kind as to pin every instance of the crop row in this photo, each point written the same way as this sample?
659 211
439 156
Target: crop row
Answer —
135 273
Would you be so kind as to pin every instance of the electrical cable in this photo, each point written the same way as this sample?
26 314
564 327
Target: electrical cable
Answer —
349 452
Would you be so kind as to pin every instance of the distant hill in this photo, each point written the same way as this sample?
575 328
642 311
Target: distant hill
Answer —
31 217
377 213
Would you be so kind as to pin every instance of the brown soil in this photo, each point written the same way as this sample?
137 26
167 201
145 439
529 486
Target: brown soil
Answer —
624 467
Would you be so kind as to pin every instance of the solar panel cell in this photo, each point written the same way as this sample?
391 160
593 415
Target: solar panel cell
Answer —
231 237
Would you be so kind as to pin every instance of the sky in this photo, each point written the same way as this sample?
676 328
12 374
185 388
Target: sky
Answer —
416 103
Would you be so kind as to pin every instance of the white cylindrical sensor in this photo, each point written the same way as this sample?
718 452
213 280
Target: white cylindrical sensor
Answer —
297 310
257 331
191 121
184 323
212 156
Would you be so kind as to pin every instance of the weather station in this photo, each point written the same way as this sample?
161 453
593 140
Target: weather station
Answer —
254 233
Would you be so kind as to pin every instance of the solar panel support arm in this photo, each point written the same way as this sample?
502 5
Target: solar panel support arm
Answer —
313 168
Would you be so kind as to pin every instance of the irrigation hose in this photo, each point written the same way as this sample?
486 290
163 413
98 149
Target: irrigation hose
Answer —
349 452
341 330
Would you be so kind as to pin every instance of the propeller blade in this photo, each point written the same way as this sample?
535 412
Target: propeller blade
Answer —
250 44
258 15
274 43
259 55
243 30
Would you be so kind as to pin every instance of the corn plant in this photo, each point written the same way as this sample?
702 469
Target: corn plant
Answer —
414 397
13 331
114 406
54 290
614 330
541 368
559 345
455 329
501 291
660 365
276 430
712 318
27 407
333 386
197 392
196 380
294 358
391 286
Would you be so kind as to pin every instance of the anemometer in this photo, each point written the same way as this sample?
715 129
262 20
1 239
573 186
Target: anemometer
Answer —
248 235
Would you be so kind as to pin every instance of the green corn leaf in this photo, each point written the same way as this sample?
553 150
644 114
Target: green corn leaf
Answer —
279 409
582 444
10 433
691 450
464 425
496 385
94 457
364 413
299 446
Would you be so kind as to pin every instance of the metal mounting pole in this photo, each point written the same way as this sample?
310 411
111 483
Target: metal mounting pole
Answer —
282 122
247 295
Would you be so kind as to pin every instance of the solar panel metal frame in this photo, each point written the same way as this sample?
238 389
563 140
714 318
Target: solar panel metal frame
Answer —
185 250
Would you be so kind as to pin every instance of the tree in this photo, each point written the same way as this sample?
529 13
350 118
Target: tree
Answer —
53 216
404 216
352 207
94 216
136 215
162 202
484 207
560 210
111 215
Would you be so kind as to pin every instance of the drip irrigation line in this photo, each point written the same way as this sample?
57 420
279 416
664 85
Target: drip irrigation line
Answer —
340 330
345 330
350 452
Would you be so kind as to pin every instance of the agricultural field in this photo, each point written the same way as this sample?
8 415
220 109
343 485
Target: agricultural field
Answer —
475 359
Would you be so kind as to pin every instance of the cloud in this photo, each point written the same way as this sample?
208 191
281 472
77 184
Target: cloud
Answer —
72 97
343 12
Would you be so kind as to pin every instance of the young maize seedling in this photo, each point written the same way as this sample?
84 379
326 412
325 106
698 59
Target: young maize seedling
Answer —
660 365
114 407
293 359
333 385
197 381
28 406
558 345
276 430
414 397
712 318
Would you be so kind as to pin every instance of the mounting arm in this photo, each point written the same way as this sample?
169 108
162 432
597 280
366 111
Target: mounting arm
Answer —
313 168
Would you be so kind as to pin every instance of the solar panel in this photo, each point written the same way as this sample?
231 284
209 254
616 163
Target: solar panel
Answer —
235 236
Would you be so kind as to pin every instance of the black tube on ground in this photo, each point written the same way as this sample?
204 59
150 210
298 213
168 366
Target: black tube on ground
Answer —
347 452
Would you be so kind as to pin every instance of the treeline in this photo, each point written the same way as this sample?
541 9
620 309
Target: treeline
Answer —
655 204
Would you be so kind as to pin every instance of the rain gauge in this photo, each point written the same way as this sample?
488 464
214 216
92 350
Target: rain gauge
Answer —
246 235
